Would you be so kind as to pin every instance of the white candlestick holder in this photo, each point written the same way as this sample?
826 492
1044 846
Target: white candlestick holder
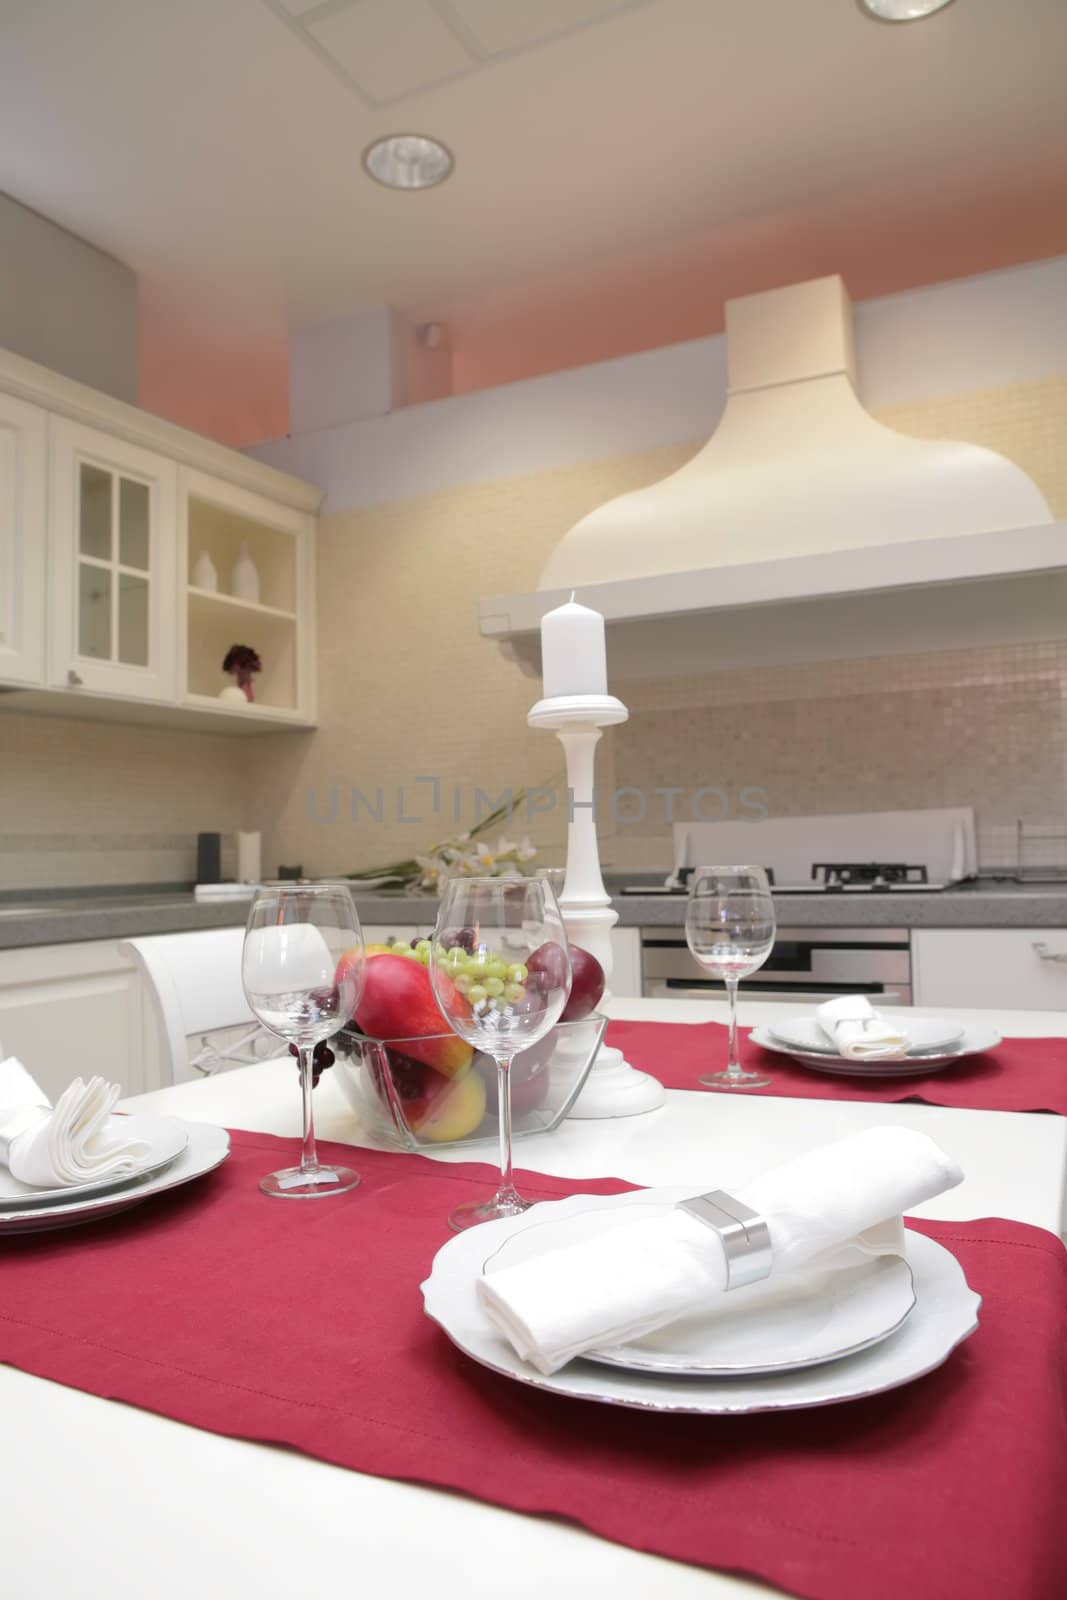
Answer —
614 1088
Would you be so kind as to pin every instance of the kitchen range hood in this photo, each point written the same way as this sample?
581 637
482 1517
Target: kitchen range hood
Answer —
798 500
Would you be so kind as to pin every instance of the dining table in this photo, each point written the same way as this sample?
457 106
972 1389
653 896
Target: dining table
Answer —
105 1501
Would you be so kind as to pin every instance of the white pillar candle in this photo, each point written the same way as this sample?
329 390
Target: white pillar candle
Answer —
573 653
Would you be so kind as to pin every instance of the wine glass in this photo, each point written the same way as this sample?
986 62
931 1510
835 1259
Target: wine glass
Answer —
500 967
302 968
729 927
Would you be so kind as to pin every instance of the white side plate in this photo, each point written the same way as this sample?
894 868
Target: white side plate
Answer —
945 1313
166 1138
207 1149
974 1042
922 1033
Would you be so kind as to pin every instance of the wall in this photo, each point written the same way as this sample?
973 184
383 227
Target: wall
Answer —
409 690
218 368
66 304
442 504
87 803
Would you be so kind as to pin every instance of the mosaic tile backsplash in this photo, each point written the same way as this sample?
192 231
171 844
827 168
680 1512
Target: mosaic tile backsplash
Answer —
983 728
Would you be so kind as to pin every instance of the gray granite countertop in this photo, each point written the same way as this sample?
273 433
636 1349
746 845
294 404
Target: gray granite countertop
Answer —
63 918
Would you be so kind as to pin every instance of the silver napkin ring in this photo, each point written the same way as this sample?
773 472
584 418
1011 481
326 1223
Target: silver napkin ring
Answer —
746 1239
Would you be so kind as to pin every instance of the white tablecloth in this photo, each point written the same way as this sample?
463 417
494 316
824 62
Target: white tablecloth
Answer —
147 1505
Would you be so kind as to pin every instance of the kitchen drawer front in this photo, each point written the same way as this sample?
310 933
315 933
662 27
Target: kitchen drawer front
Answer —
626 962
1017 969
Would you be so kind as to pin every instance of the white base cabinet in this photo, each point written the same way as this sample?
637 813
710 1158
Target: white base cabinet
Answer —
75 1010
1018 969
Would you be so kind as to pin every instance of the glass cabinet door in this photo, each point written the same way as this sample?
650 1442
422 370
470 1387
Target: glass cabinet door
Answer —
115 565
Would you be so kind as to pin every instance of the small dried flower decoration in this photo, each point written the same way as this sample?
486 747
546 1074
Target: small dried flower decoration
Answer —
243 661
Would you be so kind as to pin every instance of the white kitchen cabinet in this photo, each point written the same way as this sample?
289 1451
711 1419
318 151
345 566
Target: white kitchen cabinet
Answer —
221 520
72 1010
1019 969
112 520
104 511
626 962
23 434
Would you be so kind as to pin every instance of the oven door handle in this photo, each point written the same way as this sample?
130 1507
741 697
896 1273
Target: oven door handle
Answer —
694 989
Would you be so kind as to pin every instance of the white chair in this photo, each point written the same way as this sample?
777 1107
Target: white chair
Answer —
195 980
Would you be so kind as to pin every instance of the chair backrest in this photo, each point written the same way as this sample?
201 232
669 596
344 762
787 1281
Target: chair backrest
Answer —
195 979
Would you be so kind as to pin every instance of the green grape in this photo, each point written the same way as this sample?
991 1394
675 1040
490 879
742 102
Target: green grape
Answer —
517 973
494 987
422 950
464 983
455 960
497 968
477 993
514 991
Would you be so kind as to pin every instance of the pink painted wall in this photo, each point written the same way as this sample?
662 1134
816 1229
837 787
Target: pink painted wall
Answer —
223 370
926 232
212 367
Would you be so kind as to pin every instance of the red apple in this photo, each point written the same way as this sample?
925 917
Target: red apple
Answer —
530 1078
547 969
398 1003
436 1107
587 985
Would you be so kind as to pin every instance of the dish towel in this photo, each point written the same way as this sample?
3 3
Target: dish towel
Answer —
833 1205
859 1032
75 1141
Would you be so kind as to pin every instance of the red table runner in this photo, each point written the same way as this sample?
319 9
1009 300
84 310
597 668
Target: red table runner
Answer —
1020 1075
201 1305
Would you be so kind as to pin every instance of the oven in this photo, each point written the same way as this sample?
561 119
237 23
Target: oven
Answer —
806 964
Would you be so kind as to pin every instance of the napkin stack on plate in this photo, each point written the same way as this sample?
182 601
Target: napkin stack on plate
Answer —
76 1141
859 1032
832 1206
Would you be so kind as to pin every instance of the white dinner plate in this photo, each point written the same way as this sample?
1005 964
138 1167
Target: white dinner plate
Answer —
975 1040
166 1138
922 1033
945 1313
207 1147
786 1322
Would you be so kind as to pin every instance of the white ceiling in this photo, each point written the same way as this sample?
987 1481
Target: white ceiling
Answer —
219 141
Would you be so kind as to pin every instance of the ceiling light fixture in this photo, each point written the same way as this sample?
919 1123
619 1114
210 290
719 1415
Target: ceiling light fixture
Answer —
408 161
901 10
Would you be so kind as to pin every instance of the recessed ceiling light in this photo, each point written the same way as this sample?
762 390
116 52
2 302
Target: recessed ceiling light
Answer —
408 161
902 10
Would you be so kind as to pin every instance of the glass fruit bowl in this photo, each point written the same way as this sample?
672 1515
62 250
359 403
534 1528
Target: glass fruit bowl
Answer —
408 1103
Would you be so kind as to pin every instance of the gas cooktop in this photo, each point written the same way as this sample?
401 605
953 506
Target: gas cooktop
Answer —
827 877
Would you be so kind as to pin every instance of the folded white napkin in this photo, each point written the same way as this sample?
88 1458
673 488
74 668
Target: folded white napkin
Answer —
832 1205
859 1032
74 1142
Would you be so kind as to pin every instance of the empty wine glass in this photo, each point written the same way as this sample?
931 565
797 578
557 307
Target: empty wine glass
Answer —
500 967
729 927
302 969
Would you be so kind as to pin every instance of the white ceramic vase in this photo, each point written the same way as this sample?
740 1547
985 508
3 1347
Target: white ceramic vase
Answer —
204 574
244 579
